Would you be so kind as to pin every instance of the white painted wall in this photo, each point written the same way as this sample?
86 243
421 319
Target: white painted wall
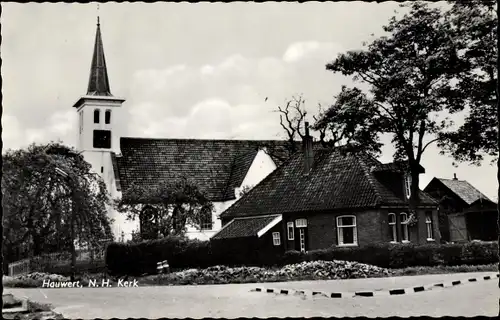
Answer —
99 158
120 224
86 120
260 168
219 207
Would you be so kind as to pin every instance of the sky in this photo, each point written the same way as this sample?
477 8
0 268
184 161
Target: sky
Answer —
189 70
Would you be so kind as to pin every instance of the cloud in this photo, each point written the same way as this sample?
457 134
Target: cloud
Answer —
298 50
305 50
59 127
11 131
227 99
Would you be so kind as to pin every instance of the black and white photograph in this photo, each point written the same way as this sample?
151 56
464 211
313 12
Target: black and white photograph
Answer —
250 160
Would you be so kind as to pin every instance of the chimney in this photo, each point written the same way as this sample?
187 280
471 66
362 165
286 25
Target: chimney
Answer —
308 150
455 176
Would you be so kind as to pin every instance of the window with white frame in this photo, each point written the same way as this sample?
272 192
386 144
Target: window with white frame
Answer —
408 185
429 226
346 231
392 227
301 223
291 234
276 238
405 237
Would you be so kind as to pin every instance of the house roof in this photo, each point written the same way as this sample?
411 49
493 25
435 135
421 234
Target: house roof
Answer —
337 181
462 189
246 227
217 166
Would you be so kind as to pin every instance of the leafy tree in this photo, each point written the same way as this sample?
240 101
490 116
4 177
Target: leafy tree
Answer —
474 31
167 208
408 73
38 202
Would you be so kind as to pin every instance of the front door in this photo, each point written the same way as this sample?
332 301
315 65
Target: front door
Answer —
301 232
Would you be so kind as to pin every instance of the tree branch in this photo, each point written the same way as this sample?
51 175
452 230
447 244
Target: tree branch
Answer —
428 143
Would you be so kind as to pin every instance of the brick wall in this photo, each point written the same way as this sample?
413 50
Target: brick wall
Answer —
372 227
322 228
268 251
422 228
417 234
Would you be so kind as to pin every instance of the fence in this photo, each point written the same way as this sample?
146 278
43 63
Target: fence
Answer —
19 268
60 262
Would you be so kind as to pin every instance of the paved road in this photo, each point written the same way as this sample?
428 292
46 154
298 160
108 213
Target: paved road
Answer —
236 300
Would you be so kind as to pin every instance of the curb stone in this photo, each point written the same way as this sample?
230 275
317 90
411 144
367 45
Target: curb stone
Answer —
391 292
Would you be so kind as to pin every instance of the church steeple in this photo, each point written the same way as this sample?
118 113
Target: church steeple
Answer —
98 80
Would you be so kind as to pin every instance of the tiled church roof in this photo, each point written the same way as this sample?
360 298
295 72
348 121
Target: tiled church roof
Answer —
217 166
336 182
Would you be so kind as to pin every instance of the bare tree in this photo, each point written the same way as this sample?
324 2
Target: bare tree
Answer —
292 119
336 126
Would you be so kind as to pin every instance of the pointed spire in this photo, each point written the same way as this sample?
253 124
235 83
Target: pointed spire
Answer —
98 80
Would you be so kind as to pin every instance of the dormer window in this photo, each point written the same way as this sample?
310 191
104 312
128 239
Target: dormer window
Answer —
97 114
408 185
107 117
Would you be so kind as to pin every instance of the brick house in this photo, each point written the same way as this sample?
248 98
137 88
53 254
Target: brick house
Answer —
321 198
465 212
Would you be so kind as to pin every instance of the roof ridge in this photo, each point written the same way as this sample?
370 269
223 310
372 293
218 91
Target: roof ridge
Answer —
256 217
452 179
479 192
369 177
198 139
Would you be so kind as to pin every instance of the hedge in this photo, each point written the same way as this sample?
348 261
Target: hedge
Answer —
141 258
406 255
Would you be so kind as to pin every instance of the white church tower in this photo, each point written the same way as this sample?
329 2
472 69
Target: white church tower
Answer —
96 120
97 135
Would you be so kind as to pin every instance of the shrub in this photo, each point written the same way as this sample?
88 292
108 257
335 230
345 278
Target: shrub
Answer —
450 254
480 252
293 256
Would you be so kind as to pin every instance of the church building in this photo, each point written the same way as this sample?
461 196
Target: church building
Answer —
221 168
